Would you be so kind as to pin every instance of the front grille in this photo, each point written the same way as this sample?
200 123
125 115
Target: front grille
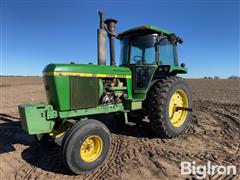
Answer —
84 92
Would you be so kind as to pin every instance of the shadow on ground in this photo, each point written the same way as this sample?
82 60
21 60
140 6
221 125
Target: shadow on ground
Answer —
49 158
11 133
46 158
116 125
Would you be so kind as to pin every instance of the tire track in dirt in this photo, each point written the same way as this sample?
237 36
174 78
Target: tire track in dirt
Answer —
44 162
202 119
159 156
11 135
197 129
228 119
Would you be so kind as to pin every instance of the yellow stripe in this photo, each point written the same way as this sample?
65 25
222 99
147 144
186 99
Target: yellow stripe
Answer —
57 73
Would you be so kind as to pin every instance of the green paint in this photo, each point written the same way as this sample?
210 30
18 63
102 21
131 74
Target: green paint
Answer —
136 105
132 105
101 88
129 88
51 114
140 93
178 69
35 118
88 68
58 91
63 92
139 96
91 111
151 28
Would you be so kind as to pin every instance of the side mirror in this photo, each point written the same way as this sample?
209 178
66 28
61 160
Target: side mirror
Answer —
179 40
172 37
182 65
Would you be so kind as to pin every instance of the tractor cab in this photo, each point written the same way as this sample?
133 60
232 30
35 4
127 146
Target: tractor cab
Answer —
146 49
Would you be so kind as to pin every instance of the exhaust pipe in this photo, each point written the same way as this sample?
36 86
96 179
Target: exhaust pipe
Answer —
101 41
111 34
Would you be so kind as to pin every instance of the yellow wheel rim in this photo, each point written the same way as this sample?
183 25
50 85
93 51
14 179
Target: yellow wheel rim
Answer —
91 148
179 99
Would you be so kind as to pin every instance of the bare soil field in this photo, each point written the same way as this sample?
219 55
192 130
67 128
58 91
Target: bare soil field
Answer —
213 135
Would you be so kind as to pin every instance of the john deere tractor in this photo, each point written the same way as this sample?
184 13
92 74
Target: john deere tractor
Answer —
144 84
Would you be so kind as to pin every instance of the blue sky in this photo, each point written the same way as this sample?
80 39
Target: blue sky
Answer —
35 33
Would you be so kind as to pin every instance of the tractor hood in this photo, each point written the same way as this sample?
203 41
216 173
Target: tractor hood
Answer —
68 85
87 70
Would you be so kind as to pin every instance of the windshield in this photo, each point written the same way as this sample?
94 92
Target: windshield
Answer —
142 50
146 50
167 53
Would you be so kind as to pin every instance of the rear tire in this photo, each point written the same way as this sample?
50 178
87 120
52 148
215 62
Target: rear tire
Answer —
163 98
86 146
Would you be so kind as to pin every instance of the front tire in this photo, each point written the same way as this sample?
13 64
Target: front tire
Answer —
163 99
86 146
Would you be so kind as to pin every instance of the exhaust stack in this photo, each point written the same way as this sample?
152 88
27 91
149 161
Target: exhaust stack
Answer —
111 34
101 41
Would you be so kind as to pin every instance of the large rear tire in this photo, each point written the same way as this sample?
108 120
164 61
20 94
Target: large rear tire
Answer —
164 97
86 146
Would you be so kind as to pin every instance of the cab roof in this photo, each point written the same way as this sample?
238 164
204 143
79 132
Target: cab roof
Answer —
139 29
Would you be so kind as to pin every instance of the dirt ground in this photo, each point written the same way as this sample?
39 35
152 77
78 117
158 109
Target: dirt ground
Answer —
213 135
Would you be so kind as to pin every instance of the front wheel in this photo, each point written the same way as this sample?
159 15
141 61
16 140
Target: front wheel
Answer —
169 101
86 146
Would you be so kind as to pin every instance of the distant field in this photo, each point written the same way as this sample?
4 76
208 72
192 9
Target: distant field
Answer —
137 153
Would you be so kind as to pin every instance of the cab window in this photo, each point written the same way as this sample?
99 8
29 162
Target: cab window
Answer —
167 53
143 50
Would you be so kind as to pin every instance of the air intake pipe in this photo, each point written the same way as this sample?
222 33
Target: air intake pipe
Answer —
101 41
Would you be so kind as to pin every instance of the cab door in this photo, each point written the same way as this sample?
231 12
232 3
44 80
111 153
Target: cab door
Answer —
142 76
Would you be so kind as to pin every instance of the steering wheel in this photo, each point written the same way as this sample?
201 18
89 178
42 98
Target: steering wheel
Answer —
137 59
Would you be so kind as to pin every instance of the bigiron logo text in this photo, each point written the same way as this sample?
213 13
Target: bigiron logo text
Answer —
201 171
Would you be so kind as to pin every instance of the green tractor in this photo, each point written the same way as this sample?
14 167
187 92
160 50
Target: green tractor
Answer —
144 84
